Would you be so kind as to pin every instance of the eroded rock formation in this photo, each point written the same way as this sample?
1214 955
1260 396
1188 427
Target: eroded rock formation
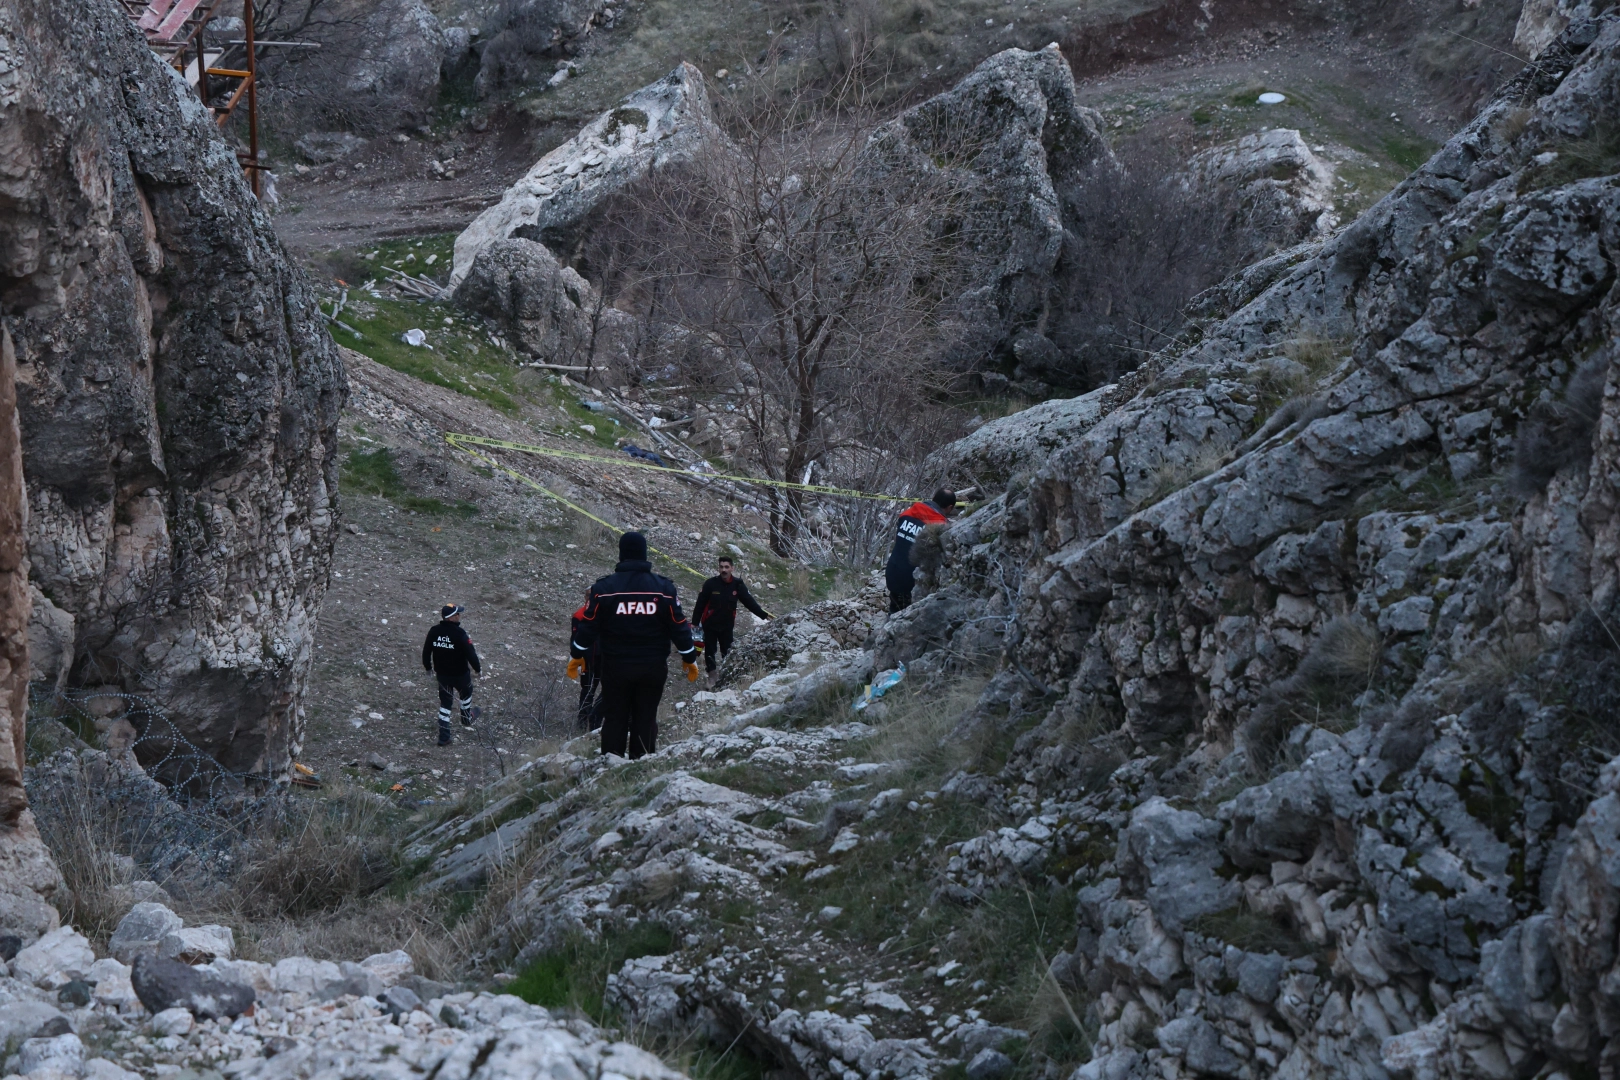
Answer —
1342 576
657 126
1014 135
179 395
28 877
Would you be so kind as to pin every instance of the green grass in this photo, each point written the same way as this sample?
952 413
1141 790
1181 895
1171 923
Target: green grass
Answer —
1409 151
750 778
461 356
575 975
372 472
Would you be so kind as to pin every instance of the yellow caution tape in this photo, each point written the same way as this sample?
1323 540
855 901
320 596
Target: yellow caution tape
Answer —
456 440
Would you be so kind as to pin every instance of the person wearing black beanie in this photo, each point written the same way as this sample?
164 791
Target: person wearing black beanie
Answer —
631 618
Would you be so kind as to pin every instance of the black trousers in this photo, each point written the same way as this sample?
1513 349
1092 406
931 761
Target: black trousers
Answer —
717 638
900 583
590 700
448 692
630 699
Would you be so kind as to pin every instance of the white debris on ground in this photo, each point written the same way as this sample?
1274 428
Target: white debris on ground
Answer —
70 1016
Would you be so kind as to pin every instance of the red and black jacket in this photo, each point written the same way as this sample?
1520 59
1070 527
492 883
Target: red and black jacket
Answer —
717 602
913 520
631 619
594 654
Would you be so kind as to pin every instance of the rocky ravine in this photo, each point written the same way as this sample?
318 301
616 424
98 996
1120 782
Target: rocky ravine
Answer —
179 394
1305 638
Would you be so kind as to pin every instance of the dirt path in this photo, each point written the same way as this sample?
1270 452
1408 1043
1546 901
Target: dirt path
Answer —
520 564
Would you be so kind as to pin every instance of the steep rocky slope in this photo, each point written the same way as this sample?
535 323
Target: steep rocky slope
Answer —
178 392
1337 582
28 878
1302 643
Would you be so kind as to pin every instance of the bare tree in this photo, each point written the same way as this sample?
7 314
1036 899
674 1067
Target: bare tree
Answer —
784 263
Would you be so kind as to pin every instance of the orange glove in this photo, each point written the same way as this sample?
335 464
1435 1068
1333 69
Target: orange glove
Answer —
575 666
691 672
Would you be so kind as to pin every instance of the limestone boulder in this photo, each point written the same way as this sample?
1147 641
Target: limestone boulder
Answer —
397 71
179 394
1283 191
1010 136
142 931
57 958
538 303
653 128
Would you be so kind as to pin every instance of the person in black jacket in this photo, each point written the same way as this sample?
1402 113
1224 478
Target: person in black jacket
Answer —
631 619
449 654
716 611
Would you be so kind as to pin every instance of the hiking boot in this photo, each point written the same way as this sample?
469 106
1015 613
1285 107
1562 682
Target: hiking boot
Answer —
469 717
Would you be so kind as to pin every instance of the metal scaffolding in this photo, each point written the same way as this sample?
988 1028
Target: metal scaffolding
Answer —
224 73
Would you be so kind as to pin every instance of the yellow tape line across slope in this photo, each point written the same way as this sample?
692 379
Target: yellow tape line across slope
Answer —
464 443
456 440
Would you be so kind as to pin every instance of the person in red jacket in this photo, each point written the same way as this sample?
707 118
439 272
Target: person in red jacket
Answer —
913 520
632 618
590 697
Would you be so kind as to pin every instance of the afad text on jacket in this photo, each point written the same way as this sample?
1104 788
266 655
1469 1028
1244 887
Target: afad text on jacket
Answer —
632 618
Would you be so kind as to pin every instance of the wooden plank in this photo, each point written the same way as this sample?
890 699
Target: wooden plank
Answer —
176 19
191 68
153 14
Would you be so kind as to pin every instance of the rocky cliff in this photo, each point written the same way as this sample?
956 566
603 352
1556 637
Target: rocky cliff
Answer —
1300 645
28 877
178 393
1319 625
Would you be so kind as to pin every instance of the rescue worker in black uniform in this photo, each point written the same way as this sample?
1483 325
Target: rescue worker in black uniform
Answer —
590 681
449 654
716 611
913 520
632 617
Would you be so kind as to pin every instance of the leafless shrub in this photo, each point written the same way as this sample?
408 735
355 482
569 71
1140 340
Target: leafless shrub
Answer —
1138 247
783 265
1558 434
308 855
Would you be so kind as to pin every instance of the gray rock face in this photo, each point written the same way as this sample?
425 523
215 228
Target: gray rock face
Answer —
28 877
524 52
168 984
1019 443
1172 856
657 126
178 391
1015 134
1305 572
397 71
542 305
